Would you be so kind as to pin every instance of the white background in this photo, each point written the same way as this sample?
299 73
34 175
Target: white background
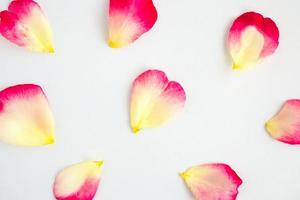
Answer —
88 86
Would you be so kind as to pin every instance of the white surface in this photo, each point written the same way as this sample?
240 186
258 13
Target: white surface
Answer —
88 87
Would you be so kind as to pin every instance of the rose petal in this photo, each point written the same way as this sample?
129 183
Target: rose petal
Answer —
251 38
128 20
212 182
154 100
78 182
285 125
25 116
24 24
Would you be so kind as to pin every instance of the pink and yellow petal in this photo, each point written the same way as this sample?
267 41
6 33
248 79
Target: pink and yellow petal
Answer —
25 24
25 116
128 20
285 125
78 182
252 38
212 181
154 100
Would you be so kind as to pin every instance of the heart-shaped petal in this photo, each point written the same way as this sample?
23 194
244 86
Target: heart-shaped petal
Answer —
212 182
78 182
25 24
25 116
285 125
154 100
252 38
128 20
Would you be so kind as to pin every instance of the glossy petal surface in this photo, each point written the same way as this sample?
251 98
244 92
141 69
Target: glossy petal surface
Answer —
78 182
154 100
212 182
128 20
25 116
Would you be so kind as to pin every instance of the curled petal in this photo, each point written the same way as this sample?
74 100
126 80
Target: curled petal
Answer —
285 125
154 100
212 182
78 182
25 24
128 20
25 116
252 38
